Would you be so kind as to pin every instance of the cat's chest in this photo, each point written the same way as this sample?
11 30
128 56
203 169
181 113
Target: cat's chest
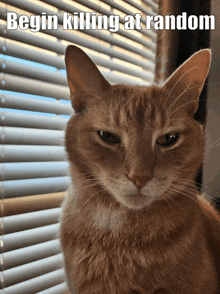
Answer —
105 219
105 258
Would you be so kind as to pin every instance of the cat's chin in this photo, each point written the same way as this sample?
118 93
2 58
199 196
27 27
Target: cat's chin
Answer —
136 201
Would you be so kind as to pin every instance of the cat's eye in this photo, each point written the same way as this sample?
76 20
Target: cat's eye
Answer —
168 139
109 138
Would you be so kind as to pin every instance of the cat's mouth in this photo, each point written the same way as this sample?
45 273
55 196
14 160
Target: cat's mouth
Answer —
130 196
138 200
138 195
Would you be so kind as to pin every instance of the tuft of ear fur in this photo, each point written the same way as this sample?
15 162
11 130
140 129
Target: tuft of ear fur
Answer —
183 87
83 76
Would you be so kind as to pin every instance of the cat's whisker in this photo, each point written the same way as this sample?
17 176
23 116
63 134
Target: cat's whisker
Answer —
101 191
212 145
190 182
169 114
200 100
178 97
168 197
177 83
215 146
190 192
185 192
86 187
215 142
86 173
90 175
186 184
167 200
85 181
88 180
178 119
175 191
172 191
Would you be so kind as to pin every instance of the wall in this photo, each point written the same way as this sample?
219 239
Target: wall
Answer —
211 169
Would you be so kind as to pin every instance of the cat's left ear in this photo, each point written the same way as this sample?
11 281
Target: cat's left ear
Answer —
183 87
84 77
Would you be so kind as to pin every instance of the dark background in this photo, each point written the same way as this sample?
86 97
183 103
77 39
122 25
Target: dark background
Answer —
174 48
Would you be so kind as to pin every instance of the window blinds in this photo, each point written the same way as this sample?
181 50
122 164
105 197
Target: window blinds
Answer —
34 101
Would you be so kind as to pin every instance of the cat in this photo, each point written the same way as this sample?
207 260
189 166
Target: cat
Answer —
133 221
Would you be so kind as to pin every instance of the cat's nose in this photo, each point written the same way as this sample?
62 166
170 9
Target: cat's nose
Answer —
139 180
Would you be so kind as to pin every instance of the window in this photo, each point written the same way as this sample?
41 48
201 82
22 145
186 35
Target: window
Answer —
34 110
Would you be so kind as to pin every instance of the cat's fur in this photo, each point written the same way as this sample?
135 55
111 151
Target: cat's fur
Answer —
133 221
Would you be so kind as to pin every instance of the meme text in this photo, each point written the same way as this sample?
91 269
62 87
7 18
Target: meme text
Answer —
92 21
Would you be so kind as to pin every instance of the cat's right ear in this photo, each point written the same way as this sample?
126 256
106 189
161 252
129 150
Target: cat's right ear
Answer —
184 86
84 77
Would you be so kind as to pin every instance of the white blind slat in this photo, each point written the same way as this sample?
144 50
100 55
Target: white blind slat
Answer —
30 253
29 220
31 104
13 49
153 4
31 270
33 121
55 290
31 136
33 40
30 237
34 87
146 11
15 68
37 284
32 170
25 153
35 186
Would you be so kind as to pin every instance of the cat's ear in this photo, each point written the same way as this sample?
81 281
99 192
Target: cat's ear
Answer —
83 76
183 87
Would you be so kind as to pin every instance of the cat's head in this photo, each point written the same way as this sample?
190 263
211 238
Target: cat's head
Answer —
141 144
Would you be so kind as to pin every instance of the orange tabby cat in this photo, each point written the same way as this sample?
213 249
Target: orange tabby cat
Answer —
133 221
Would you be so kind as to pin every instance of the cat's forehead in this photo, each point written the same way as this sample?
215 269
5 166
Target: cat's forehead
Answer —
132 106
